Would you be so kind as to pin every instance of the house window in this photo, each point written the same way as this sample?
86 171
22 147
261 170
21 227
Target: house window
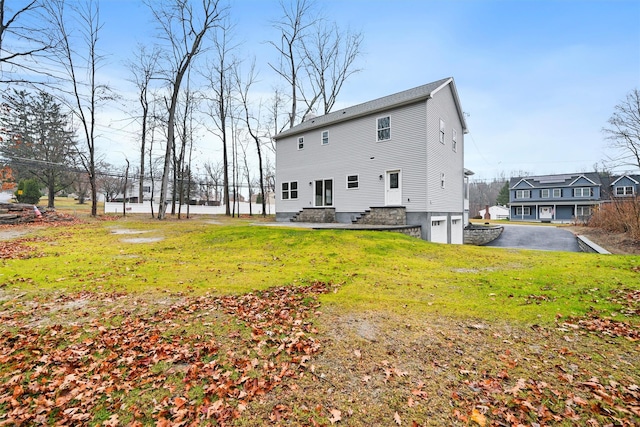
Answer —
442 180
352 181
289 190
523 211
582 211
325 137
557 192
523 194
442 131
324 192
300 143
544 193
384 128
146 189
454 140
624 191
582 192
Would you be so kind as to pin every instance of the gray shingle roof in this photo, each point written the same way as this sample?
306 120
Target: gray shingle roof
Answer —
401 98
546 181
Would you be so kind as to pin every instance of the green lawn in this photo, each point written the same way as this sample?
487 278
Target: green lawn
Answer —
394 311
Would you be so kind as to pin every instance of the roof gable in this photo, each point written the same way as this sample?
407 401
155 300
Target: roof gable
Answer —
582 180
625 179
399 99
523 183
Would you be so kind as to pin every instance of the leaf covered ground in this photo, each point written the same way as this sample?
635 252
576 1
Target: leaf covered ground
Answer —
349 336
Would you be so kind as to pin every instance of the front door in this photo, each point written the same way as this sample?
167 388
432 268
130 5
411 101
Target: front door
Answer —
393 188
546 212
324 192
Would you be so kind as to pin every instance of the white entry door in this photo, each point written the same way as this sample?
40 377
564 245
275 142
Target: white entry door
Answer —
393 188
546 212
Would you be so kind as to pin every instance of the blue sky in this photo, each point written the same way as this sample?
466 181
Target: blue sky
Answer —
538 79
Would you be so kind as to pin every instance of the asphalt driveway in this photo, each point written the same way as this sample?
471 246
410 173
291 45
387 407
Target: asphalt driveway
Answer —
547 238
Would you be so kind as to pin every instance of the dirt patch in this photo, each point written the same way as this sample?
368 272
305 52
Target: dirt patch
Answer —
127 231
12 233
144 240
616 243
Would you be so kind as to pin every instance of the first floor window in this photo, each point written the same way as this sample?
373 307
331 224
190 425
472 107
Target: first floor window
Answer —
289 190
624 191
300 143
325 137
384 128
523 194
544 193
523 210
352 181
582 192
583 211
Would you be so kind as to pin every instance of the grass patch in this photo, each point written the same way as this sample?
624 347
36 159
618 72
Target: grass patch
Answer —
218 318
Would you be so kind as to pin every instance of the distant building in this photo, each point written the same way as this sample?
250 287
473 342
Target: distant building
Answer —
496 212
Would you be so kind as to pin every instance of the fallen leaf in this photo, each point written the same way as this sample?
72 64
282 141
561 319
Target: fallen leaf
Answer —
336 416
478 418
397 419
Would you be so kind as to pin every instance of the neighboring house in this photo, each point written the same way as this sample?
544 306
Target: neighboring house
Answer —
625 186
496 212
391 160
555 198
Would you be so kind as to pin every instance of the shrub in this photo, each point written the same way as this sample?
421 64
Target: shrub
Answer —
28 191
618 216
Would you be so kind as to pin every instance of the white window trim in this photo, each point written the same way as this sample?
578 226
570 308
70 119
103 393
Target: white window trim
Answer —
454 140
542 193
357 182
524 211
378 129
289 190
322 137
300 140
582 191
441 131
624 189
559 192
524 194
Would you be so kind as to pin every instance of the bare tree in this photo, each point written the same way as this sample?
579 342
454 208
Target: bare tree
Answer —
315 57
292 28
219 74
623 132
215 176
183 29
329 61
143 69
80 68
252 123
23 38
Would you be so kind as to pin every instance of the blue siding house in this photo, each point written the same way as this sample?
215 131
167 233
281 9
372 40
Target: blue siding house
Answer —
566 197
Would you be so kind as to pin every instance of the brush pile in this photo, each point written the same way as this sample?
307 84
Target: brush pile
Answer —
22 213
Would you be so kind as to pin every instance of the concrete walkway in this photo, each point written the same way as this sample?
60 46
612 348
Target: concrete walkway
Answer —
547 238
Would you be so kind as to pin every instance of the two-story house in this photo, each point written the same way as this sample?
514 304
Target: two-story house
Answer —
624 187
400 154
555 198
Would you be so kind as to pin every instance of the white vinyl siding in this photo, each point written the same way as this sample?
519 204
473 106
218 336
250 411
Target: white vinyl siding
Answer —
441 131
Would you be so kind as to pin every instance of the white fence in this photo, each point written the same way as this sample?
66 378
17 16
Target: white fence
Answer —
141 208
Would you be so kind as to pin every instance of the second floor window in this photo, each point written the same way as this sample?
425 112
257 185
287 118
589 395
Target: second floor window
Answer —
523 194
325 137
557 192
442 131
300 143
544 193
624 191
384 128
582 192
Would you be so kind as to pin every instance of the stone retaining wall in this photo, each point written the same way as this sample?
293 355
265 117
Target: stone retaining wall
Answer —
317 215
588 246
385 215
481 235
